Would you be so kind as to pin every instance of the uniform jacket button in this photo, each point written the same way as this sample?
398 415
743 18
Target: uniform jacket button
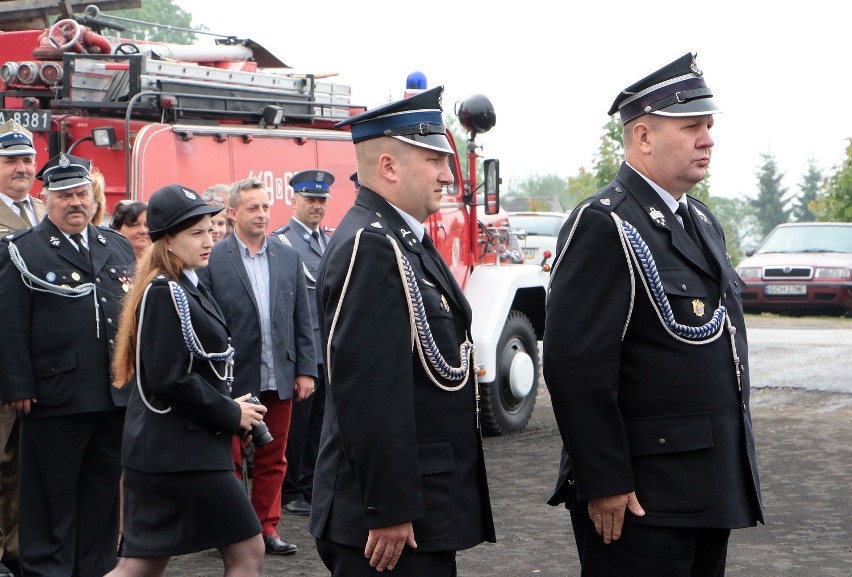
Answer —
683 287
371 510
661 441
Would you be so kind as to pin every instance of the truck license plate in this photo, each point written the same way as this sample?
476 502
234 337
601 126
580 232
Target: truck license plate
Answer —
529 253
786 289
32 120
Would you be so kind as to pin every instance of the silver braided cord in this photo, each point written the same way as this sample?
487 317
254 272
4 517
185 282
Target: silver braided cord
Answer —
426 345
643 258
36 284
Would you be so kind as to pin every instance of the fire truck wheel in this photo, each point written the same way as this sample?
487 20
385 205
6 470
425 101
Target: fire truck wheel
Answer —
508 401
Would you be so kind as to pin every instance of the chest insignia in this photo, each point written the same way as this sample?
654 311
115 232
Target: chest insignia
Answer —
427 283
306 237
445 306
75 275
701 215
658 217
698 308
606 201
101 239
51 276
54 241
376 224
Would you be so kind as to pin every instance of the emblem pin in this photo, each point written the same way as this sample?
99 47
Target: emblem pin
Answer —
698 308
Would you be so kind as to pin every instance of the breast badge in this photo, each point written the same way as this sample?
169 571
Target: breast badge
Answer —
698 308
658 217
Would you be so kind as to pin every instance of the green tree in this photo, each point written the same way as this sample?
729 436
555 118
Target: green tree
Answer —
701 191
834 203
580 187
738 220
610 153
770 206
540 192
804 204
163 12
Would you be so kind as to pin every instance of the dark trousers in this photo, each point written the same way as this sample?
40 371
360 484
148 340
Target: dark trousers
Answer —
344 561
70 470
650 551
303 443
270 465
10 441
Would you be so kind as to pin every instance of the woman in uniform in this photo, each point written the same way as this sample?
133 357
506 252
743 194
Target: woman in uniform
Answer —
180 492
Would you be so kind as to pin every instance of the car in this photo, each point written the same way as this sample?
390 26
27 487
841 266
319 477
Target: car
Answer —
799 268
541 228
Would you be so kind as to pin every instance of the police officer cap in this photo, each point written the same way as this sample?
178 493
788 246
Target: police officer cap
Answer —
64 171
312 183
354 178
172 205
415 120
676 89
15 139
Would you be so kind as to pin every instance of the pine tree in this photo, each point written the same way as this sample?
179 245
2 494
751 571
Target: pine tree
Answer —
803 204
770 206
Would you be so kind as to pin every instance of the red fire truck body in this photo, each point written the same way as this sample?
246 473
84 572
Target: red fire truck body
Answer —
146 118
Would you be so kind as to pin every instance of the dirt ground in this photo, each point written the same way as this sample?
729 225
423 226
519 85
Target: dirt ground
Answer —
805 457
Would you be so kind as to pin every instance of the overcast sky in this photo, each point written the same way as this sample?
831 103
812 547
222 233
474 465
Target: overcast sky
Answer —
552 69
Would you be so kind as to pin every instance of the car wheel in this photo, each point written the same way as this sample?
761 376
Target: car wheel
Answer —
507 403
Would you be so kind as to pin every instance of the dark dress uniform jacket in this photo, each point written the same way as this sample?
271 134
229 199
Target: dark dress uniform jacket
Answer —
50 346
311 254
196 434
639 409
394 447
292 334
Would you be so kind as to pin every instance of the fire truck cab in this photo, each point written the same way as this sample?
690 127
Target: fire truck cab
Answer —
152 114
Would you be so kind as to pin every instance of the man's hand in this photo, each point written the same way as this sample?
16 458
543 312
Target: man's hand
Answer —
20 405
304 387
607 513
385 545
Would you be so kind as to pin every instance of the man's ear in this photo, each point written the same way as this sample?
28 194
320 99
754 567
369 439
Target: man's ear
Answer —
232 213
388 166
643 135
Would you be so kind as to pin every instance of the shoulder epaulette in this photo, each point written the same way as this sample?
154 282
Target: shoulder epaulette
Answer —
282 230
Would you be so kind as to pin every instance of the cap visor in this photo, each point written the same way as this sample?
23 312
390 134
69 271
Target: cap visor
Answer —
313 194
67 183
17 150
697 107
437 142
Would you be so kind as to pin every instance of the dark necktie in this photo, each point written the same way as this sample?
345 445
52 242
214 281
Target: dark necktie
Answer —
433 253
316 236
683 213
78 240
22 206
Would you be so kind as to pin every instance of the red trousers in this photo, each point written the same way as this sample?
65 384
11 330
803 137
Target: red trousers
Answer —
270 464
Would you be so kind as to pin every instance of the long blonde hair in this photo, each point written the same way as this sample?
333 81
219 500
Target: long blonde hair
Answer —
157 260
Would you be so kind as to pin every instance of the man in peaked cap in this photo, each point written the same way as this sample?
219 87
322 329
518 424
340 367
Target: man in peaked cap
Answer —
62 295
19 210
400 478
304 233
645 352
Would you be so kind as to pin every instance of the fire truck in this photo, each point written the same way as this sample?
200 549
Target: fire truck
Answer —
152 114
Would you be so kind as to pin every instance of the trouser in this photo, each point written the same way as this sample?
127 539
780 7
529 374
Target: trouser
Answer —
270 463
303 443
650 551
345 561
70 471
9 447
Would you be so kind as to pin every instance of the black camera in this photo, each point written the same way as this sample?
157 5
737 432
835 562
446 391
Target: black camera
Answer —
260 434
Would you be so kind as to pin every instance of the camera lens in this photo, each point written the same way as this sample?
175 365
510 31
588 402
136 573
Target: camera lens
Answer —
260 434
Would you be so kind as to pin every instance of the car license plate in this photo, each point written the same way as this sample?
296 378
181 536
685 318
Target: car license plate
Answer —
786 289
529 253
33 120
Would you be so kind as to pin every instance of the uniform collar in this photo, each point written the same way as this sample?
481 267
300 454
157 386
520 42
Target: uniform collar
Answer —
416 226
665 196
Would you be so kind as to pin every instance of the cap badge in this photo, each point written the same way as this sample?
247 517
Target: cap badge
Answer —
606 201
189 194
376 224
658 217
64 162
75 275
101 239
54 241
320 176
695 70
698 308
51 276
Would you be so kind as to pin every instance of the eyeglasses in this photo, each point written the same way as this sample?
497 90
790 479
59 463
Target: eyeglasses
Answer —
207 198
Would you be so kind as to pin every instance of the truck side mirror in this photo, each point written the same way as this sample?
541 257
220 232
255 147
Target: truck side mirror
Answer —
492 185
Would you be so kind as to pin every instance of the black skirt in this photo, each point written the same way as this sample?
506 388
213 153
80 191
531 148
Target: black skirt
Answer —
177 513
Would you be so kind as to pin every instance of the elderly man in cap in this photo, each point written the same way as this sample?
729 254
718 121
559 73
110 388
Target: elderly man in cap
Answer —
400 479
18 211
645 352
305 234
61 283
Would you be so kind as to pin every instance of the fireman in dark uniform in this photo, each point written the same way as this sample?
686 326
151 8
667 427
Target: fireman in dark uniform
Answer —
311 192
61 285
645 352
400 479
